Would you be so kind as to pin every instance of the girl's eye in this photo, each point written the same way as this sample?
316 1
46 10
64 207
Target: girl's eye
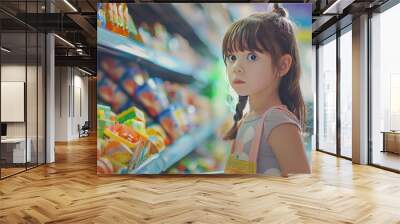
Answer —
251 57
231 57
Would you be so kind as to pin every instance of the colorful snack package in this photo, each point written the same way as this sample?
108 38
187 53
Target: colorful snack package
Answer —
176 93
135 138
120 100
170 123
133 77
152 97
103 119
138 126
123 134
101 125
113 117
133 32
118 152
128 84
106 90
103 111
143 155
183 121
113 95
156 129
113 68
117 165
131 113
156 144
100 114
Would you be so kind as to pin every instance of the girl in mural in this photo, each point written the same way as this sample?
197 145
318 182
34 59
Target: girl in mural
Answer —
263 65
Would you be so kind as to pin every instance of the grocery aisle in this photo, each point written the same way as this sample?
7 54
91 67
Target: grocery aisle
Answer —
160 101
164 100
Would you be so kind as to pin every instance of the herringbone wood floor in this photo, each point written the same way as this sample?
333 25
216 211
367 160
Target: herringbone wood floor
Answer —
69 191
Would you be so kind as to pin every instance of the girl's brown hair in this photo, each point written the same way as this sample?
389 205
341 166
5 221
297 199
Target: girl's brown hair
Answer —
272 33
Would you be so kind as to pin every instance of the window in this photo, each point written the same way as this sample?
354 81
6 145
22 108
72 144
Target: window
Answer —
327 97
385 86
22 75
346 94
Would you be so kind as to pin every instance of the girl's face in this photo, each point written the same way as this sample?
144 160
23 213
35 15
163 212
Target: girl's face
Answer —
250 72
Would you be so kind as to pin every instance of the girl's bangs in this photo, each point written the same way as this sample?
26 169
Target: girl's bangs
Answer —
243 36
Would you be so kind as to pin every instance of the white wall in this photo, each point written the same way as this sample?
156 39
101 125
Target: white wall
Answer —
16 73
33 127
71 94
80 115
61 104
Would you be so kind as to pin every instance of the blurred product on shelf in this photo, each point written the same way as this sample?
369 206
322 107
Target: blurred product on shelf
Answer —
156 103
116 18
124 134
171 123
207 22
118 154
114 69
118 82
176 93
145 33
155 129
131 113
116 76
152 95
124 140
103 121
156 37
113 95
161 38
192 101
130 137
132 30
130 76
209 157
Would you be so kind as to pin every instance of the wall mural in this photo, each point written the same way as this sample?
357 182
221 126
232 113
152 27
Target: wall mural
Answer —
204 88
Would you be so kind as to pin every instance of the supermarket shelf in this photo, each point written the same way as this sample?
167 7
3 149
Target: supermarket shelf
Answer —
160 162
168 15
164 65
211 48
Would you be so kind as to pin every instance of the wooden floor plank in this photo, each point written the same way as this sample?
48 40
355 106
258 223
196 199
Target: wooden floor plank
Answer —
69 191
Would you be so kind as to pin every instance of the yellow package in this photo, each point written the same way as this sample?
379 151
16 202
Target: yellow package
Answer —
156 144
156 129
131 113
138 126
